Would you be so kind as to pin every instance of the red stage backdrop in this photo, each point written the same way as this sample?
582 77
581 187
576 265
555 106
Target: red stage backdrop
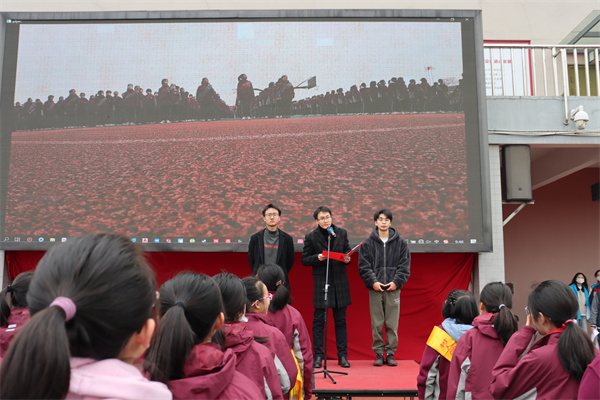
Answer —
433 275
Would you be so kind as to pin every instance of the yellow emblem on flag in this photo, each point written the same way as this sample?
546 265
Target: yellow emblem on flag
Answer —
441 342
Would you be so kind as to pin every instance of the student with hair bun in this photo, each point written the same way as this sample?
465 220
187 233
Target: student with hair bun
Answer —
289 321
91 302
554 365
459 310
13 309
478 349
182 354
252 358
257 307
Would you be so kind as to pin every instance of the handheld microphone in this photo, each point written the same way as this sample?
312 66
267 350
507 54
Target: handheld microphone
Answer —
331 231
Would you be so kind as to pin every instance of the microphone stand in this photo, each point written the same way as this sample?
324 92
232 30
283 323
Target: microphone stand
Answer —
327 373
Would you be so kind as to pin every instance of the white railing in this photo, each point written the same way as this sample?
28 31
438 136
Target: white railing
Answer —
541 70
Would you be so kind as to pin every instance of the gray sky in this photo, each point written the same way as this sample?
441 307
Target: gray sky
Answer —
54 58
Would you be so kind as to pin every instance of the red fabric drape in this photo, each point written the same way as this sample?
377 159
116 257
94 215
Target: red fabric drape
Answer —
433 275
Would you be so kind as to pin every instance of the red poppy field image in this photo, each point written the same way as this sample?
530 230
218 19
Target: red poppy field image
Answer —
211 179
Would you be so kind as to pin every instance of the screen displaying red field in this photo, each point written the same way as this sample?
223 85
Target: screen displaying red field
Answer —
177 132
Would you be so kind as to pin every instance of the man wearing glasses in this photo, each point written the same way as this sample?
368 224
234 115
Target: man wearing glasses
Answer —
338 297
384 265
271 245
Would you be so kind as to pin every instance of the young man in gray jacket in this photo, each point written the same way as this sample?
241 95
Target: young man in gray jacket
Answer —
384 265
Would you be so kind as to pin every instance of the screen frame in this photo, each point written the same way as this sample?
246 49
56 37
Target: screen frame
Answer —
476 41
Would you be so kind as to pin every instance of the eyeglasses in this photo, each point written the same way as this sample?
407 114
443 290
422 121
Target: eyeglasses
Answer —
383 219
269 296
527 312
324 218
272 215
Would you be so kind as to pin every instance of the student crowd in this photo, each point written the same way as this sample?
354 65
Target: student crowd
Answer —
478 352
93 336
200 337
173 103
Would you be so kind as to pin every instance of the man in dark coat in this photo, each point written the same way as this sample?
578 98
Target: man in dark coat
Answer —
271 245
338 297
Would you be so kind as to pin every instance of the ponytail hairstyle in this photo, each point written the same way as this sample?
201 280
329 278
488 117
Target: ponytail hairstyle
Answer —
497 298
557 302
233 293
111 291
274 279
14 295
461 306
190 305
254 291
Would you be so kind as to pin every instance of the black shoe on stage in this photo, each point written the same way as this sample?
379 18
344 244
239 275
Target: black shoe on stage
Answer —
317 362
378 360
343 362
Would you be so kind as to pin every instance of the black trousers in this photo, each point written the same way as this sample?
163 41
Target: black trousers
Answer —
341 334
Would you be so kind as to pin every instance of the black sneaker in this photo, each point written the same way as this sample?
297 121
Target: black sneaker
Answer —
391 361
378 361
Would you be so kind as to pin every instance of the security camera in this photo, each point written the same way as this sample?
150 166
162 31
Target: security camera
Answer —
580 117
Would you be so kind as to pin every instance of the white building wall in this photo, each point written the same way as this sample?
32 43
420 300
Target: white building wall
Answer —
490 266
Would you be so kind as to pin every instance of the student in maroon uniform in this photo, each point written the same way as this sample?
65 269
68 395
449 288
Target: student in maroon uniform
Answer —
13 309
553 367
589 387
289 321
182 354
478 349
253 359
257 308
459 310
91 302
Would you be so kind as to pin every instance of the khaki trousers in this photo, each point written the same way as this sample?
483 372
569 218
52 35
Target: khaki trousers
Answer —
385 310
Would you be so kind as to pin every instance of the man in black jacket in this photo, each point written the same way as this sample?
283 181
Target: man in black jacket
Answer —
384 265
338 298
271 245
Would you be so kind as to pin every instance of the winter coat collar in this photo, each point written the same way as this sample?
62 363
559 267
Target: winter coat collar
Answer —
485 324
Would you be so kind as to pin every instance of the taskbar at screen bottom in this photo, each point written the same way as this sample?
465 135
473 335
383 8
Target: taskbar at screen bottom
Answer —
170 243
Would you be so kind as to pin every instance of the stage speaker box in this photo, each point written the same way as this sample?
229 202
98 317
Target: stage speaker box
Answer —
596 191
516 173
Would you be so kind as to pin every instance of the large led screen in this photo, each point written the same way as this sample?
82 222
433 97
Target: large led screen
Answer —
177 132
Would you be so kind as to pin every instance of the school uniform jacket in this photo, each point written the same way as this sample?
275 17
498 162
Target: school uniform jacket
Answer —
260 326
314 244
538 374
291 324
432 381
209 373
475 355
589 387
16 320
111 379
253 359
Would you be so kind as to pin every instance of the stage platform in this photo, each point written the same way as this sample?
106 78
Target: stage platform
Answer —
366 380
